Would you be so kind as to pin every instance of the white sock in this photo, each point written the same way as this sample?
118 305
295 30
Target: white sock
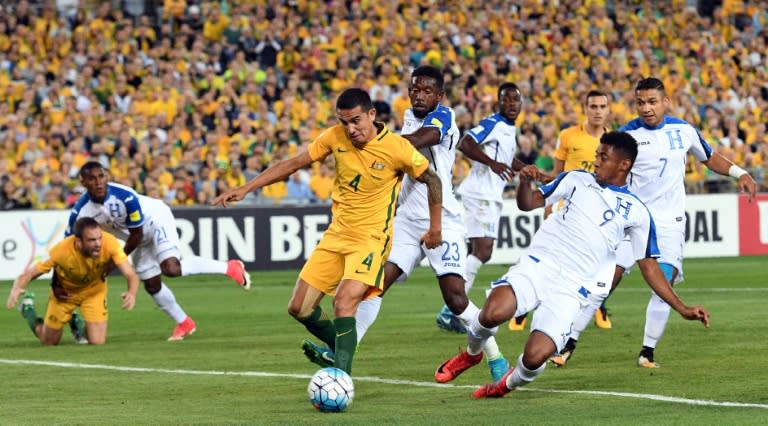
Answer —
485 341
656 316
522 375
166 301
193 265
473 265
367 311
585 316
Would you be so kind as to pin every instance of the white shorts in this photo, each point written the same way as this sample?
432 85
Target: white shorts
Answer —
161 242
481 217
670 242
407 250
556 298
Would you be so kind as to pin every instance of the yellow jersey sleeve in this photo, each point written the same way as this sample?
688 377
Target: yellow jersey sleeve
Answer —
112 250
323 143
413 162
561 153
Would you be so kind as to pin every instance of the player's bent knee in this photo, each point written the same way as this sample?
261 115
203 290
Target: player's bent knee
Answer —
171 267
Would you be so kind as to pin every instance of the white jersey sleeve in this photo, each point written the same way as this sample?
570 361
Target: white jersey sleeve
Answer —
497 138
412 202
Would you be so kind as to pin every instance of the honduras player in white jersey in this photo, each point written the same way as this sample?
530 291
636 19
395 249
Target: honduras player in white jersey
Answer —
491 146
148 228
430 127
556 275
657 178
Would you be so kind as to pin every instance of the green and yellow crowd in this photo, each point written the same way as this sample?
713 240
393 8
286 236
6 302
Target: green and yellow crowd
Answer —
189 98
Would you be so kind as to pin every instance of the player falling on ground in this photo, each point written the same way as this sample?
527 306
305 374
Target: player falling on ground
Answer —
658 179
149 230
80 264
576 148
491 146
556 275
348 262
431 128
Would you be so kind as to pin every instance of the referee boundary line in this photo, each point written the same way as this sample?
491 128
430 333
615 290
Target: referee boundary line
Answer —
651 397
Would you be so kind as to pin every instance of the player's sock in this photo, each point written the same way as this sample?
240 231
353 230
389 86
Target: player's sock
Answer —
489 346
192 265
478 336
522 374
473 265
30 315
166 301
656 316
366 314
346 342
321 327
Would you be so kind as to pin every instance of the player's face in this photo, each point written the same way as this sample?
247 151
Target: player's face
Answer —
651 105
358 124
597 110
510 103
95 182
90 244
424 94
609 167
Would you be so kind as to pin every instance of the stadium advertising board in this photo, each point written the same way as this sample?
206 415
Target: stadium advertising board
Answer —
283 237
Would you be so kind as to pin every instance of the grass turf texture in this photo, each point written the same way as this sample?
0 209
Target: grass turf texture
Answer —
250 336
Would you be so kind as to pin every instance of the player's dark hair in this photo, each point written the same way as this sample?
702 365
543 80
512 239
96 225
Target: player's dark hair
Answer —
431 72
622 142
354 97
87 167
594 94
507 86
82 224
650 83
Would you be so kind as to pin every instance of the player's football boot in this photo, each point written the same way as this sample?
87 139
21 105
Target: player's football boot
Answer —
450 322
498 367
496 389
77 326
236 271
183 329
645 359
451 369
319 355
601 318
560 359
518 324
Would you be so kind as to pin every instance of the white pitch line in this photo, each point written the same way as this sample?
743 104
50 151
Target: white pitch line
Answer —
375 380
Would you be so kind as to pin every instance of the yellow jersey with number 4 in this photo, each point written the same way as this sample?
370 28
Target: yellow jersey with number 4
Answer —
367 180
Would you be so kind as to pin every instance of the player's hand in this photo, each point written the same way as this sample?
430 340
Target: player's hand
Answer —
13 297
697 313
503 170
432 238
748 185
236 194
529 172
129 301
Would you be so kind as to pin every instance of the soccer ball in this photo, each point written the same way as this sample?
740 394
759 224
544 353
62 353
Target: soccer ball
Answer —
331 390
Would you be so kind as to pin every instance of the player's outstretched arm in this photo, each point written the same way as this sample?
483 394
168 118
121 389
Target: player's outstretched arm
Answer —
423 137
434 235
20 285
528 198
653 275
471 149
129 296
274 173
721 165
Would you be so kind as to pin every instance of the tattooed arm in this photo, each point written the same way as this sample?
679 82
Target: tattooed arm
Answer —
433 237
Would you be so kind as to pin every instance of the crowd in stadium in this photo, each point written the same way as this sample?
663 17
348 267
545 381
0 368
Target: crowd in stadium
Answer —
184 100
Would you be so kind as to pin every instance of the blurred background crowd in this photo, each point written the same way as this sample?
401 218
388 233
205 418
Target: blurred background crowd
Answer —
180 99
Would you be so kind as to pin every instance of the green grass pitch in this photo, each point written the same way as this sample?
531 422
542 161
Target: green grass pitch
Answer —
244 364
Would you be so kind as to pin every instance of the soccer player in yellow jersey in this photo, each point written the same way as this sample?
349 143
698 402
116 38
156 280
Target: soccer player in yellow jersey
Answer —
80 264
576 147
348 262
